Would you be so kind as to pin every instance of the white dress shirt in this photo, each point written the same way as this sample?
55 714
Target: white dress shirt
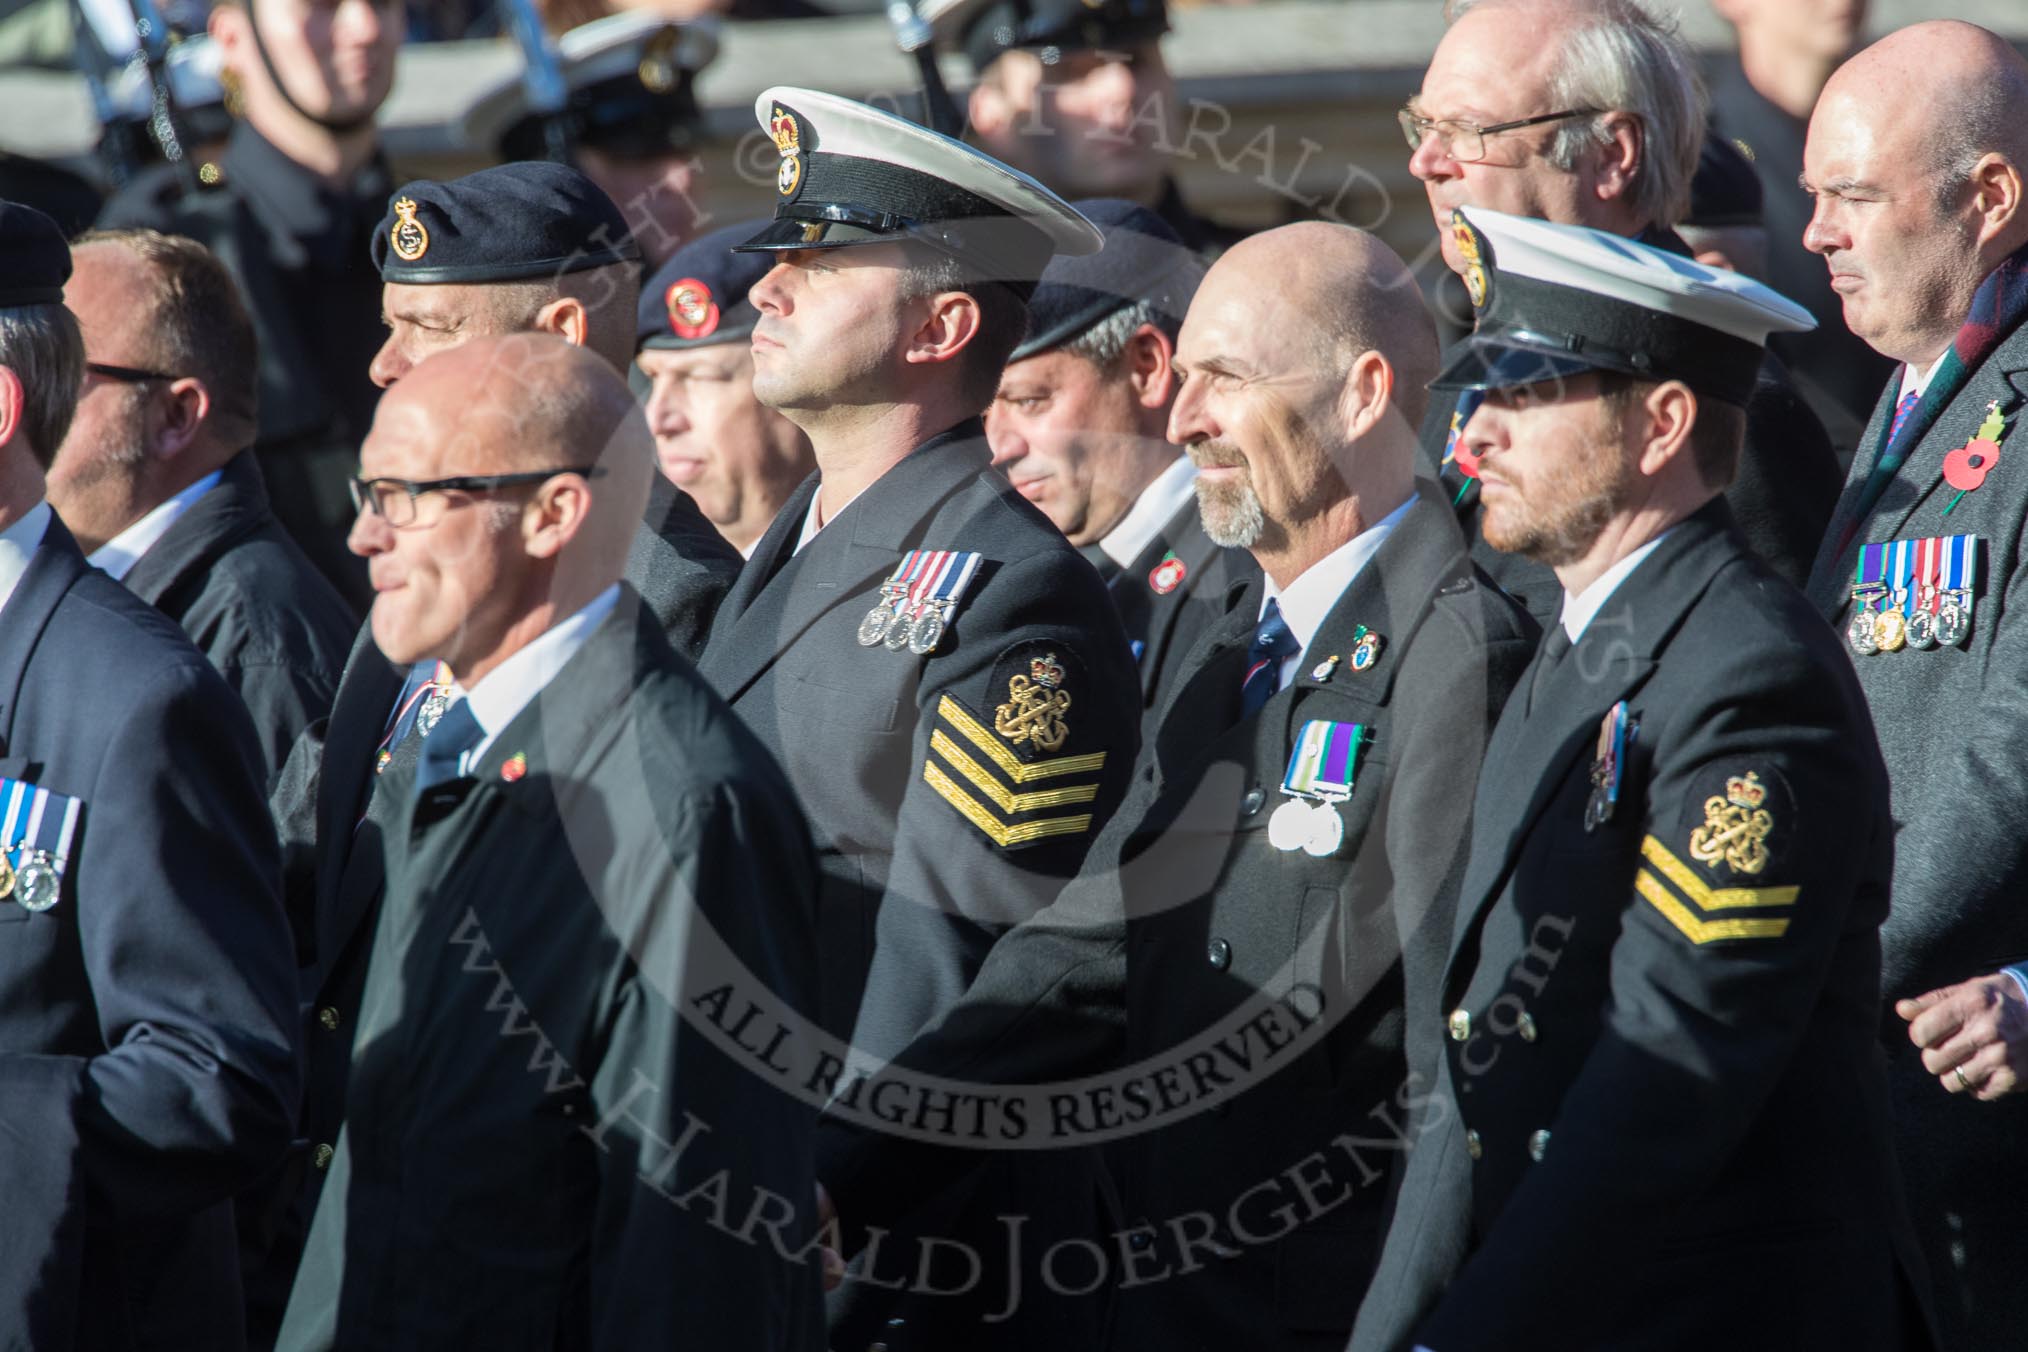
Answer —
1579 610
507 689
811 525
1310 597
1915 382
1151 511
119 554
18 544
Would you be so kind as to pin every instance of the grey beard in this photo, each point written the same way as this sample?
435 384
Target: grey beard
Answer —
1232 520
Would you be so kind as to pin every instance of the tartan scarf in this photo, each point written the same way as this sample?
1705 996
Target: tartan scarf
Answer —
1998 308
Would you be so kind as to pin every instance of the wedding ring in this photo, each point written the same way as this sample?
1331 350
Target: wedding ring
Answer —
1963 1083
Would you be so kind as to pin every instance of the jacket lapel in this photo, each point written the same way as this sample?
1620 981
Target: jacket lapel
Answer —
1923 473
232 510
1827 587
53 570
1531 751
366 695
845 559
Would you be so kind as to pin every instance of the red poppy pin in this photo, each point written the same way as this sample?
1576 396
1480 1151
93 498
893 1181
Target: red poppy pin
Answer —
692 311
1168 574
1966 468
514 767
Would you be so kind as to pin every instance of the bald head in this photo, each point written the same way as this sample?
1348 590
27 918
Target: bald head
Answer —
480 571
1918 199
1305 357
1974 94
1342 291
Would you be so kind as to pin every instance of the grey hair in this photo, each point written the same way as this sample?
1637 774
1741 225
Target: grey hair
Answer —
1623 58
41 344
1104 343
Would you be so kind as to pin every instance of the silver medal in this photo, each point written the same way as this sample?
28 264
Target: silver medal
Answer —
38 884
929 631
873 628
1327 831
1861 635
432 709
1289 828
899 633
1953 621
1921 629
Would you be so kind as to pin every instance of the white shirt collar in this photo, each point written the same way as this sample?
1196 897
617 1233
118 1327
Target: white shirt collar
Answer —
1151 511
810 523
119 554
1915 382
508 688
1310 597
1579 610
18 544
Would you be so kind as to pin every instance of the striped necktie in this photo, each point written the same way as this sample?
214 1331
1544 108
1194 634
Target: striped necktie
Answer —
1273 642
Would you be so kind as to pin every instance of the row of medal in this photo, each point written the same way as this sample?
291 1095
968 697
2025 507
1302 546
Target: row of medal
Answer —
1913 594
37 827
918 599
1319 777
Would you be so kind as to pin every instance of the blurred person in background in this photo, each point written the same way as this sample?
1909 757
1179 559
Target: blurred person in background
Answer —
290 212
1078 95
1763 96
632 121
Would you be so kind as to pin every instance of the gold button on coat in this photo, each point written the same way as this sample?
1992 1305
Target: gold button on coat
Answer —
1461 1025
1538 1145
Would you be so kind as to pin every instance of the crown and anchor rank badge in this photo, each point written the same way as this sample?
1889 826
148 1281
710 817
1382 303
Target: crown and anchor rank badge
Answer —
37 828
1319 777
918 600
1913 594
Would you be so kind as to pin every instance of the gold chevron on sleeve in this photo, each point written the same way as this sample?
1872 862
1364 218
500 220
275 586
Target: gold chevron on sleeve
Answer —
1703 931
1709 898
1003 834
982 737
1664 870
1009 804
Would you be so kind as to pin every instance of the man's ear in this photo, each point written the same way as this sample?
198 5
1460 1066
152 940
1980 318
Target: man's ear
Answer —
1669 413
555 515
182 415
1996 194
1367 395
567 318
949 324
13 401
1620 158
1150 360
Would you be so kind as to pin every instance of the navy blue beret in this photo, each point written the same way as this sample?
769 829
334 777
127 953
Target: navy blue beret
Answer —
508 223
1726 189
37 257
698 297
1143 260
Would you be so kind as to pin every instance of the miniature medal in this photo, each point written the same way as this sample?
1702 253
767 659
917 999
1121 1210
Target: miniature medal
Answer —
1289 827
873 628
38 884
1327 830
1366 646
1890 630
1614 732
927 633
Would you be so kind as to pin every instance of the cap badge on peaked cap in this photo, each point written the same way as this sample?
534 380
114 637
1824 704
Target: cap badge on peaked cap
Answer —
409 238
693 313
789 141
1472 249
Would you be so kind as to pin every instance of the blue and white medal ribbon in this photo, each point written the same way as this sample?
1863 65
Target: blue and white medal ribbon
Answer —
37 827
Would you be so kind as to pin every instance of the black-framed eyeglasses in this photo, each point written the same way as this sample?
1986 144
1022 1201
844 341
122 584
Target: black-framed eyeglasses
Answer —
1465 142
394 500
129 375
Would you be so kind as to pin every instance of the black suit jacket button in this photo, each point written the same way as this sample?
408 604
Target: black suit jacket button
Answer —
328 1017
1219 954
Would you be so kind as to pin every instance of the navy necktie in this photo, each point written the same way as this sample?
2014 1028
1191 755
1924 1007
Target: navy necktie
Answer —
456 733
1555 647
1272 644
